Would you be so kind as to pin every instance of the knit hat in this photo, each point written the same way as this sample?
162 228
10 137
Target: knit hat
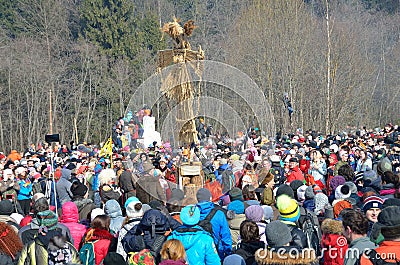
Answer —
254 213
339 206
342 192
284 189
352 186
133 210
288 208
277 234
190 215
317 189
383 166
234 259
177 194
295 184
301 193
203 195
95 212
48 219
372 202
268 212
236 206
236 194
78 189
369 175
6 207
17 217
391 202
389 222
309 193
321 200
336 181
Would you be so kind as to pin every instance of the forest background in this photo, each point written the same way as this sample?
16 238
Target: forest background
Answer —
80 61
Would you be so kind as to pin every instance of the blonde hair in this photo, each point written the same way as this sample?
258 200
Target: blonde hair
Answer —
106 175
173 249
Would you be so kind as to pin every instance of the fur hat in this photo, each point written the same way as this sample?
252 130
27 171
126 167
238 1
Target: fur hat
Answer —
301 193
331 226
288 208
342 192
106 175
254 213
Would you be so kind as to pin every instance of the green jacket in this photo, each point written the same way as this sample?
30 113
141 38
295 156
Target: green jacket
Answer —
35 253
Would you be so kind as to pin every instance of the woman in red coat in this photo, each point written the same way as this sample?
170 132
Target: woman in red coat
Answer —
334 244
99 234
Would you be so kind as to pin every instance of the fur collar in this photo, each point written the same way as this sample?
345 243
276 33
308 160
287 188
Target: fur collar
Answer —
267 257
331 226
97 234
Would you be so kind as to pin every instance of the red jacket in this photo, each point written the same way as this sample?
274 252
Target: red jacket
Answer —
335 249
102 240
295 174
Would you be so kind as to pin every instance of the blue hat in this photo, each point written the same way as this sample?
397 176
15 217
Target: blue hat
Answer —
236 206
131 199
190 215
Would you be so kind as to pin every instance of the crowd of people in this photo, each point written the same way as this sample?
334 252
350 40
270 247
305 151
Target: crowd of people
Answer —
301 198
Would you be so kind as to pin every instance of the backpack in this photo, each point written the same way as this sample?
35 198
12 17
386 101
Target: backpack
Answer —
310 226
143 257
206 222
376 259
87 254
228 180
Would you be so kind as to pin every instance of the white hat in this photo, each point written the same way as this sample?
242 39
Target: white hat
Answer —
95 212
17 217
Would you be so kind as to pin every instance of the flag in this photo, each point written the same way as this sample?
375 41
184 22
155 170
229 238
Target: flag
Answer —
107 148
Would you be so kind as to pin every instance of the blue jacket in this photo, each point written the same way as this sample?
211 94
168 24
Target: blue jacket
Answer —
198 244
113 210
221 232
25 190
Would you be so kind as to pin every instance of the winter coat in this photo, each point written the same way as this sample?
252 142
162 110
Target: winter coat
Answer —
333 241
63 186
35 252
9 187
386 248
286 254
198 244
85 207
356 248
318 174
295 174
29 232
234 227
108 192
247 251
25 190
127 184
268 197
113 210
101 242
7 260
148 188
221 232
70 218
387 191
120 248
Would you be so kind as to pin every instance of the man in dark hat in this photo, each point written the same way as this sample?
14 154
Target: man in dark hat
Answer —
389 249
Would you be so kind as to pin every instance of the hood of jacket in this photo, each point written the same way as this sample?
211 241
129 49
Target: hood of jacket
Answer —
205 209
189 239
65 173
112 209
331 226
70 213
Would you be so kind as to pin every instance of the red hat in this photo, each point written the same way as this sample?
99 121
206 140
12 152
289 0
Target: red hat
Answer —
334 157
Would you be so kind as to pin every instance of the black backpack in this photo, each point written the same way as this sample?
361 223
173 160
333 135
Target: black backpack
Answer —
376 259
310 226
206 222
